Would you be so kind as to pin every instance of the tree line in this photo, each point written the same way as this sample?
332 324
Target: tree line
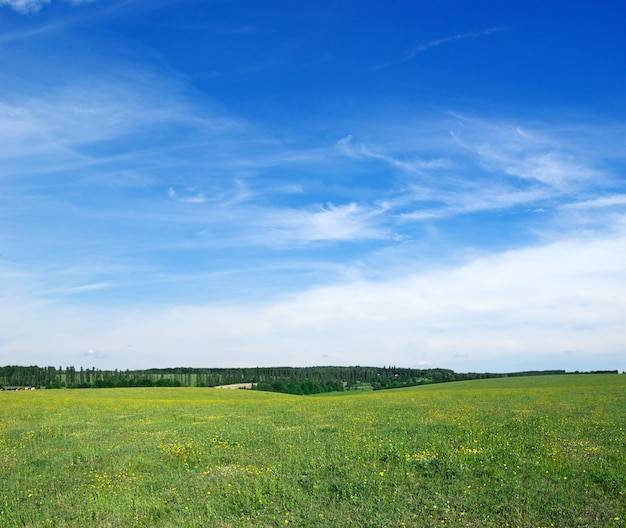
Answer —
296 380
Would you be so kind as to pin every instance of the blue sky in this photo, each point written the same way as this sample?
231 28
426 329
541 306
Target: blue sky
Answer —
420 184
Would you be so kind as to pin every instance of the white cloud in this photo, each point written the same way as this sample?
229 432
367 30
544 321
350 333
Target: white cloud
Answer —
95 354
339 223
486 166
549 168
290 189
516 310
197 198
85 111
189 197
333 222
25 6
417 166
82 288
345 146
499 310
239 194
606 201
118 176
532 156
34 6
438 42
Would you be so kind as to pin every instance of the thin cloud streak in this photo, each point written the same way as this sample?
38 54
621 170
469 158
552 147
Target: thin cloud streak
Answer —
487 166
438 42
349 222
34 6
25 6
80 289
599 203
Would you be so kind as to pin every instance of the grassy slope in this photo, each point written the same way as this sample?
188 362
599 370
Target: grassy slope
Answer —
540 451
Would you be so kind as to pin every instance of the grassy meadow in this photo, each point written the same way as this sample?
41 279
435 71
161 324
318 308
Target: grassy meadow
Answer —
522 452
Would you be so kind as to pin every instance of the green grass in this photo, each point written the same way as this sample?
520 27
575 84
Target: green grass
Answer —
524 452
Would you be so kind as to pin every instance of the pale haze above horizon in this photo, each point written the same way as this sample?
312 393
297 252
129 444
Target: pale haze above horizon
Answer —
235 184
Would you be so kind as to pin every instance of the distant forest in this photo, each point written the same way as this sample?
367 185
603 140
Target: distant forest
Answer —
293 380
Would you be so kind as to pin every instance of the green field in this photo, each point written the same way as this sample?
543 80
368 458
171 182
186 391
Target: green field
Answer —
522 452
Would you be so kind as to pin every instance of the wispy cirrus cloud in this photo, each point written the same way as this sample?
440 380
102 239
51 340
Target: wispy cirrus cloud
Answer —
414 52
417 50
610 201
491 166
25 6
559 170
82 288
346 146
188 197
91 123
195 179
254 225
198 179
349 222
33 6
461 36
